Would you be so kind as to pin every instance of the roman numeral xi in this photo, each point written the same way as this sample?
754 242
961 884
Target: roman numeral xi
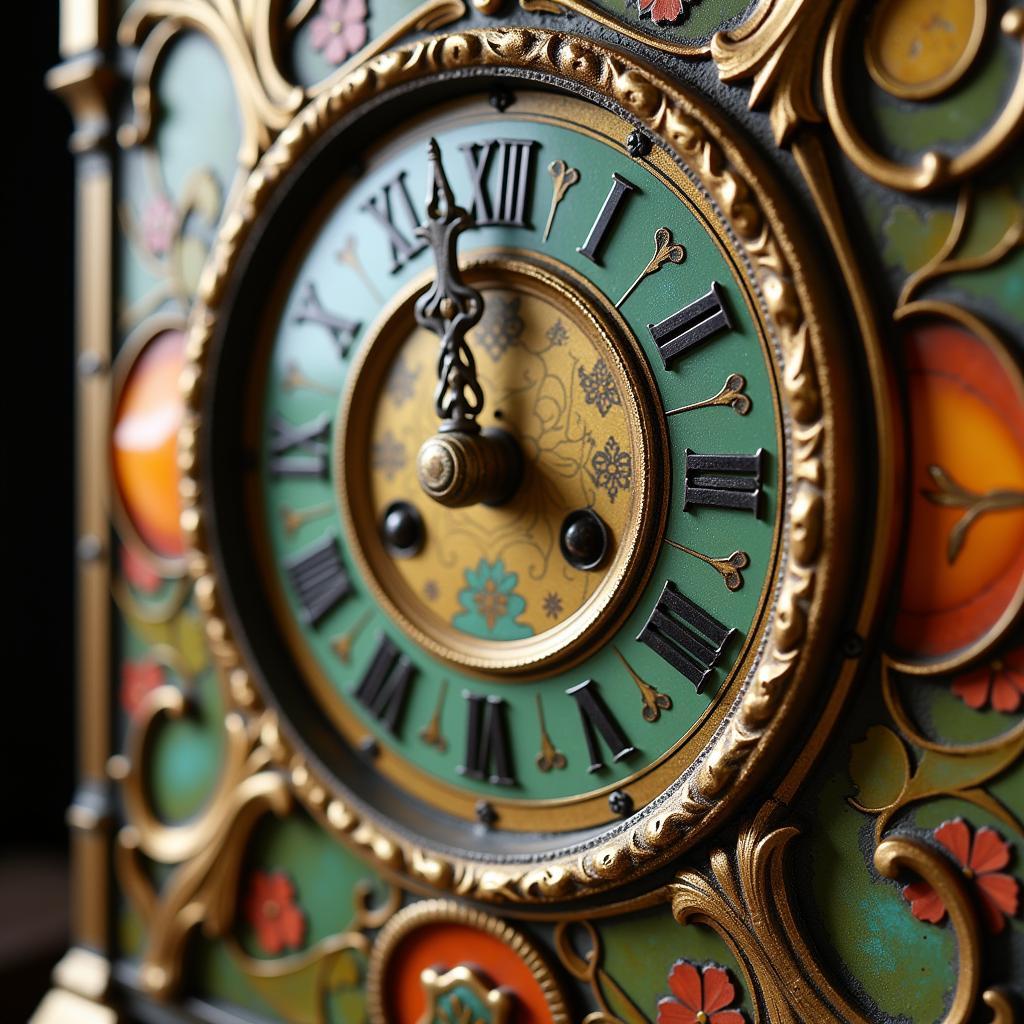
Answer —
685 635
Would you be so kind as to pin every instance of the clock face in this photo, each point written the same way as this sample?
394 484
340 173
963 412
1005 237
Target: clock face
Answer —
511 679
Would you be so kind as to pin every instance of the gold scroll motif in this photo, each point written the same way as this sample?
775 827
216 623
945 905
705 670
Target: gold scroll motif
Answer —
745 898
722 169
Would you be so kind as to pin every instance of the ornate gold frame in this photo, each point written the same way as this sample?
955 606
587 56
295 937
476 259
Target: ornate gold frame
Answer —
803 617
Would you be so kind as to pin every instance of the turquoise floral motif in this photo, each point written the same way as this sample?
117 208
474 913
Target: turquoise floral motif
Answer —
491 604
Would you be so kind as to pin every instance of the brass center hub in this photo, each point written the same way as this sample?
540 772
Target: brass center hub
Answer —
498 586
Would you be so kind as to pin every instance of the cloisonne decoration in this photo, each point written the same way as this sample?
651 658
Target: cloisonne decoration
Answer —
551 535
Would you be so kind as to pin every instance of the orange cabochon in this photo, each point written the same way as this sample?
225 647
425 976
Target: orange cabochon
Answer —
144 442
967 463
445 946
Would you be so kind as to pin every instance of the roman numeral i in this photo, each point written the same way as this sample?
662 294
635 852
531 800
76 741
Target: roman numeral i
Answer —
685 635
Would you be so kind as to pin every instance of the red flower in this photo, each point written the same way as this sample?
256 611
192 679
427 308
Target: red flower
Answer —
271 910
1000 682
700 997
138 678
138 572
662 12
980 860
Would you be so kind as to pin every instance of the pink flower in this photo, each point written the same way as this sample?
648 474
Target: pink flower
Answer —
138 679
979 859
1000 682
138 572
271 911
699 997
159 225
339 30
662 12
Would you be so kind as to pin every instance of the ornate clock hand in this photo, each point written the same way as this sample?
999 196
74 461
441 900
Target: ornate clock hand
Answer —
461 464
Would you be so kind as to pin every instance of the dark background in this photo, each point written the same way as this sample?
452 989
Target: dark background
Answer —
37 746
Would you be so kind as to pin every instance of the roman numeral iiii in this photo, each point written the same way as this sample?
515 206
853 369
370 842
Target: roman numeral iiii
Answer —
319 579
687 637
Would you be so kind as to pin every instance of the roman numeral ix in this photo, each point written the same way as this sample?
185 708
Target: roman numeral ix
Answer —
597 719
311 311
513 159
488 755
691 325
724 481
300 450
384 688
390 207
685 635
319 579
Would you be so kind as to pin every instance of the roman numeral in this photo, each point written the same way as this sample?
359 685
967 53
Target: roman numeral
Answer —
389 205
596 718
311 311
488 755
514 175
384 688
691 325
724 481
608 214
685 635
300 450
319 579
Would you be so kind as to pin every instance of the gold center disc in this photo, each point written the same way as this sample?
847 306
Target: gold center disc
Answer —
490 588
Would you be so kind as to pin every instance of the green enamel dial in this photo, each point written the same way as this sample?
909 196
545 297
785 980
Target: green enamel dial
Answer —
477 667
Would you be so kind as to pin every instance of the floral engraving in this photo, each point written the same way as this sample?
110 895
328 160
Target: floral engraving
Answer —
501 327
388 455
599 387
612 468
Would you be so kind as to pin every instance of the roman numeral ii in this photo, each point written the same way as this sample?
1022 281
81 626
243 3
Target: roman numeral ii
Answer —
384 688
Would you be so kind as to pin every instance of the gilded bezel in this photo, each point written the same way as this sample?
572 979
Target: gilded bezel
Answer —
817 512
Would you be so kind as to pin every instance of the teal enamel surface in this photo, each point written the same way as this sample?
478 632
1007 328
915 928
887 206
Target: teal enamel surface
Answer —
696 377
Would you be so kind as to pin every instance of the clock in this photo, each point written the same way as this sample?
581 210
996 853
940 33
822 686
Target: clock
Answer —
517 464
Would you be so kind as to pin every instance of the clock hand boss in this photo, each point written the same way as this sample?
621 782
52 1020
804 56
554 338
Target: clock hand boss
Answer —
461 464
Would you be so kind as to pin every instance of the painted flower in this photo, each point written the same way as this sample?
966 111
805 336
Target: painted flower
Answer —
557 334
980 858
159 225
699 996
271 911
339 29
491 604
662 12
552 605
612 468
138 572
138 679
401 383
599 387
388 455
1000 684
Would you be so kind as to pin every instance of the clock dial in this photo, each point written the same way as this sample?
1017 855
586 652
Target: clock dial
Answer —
483 616
562 647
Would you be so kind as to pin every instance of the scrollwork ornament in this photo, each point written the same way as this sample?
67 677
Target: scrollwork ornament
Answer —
779 679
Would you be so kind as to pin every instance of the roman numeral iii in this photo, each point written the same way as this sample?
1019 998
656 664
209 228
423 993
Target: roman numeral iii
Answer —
513 159
488 755
319 579
300 450
393 211
685 635
384 689
724 481
598 720
691 325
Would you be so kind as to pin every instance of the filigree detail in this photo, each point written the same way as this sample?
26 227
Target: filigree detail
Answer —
777 679
745 898
207 850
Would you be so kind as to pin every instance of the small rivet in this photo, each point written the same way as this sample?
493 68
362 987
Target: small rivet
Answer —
638 144
620 803
485 813
369 746
501 100
89 548
853 646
